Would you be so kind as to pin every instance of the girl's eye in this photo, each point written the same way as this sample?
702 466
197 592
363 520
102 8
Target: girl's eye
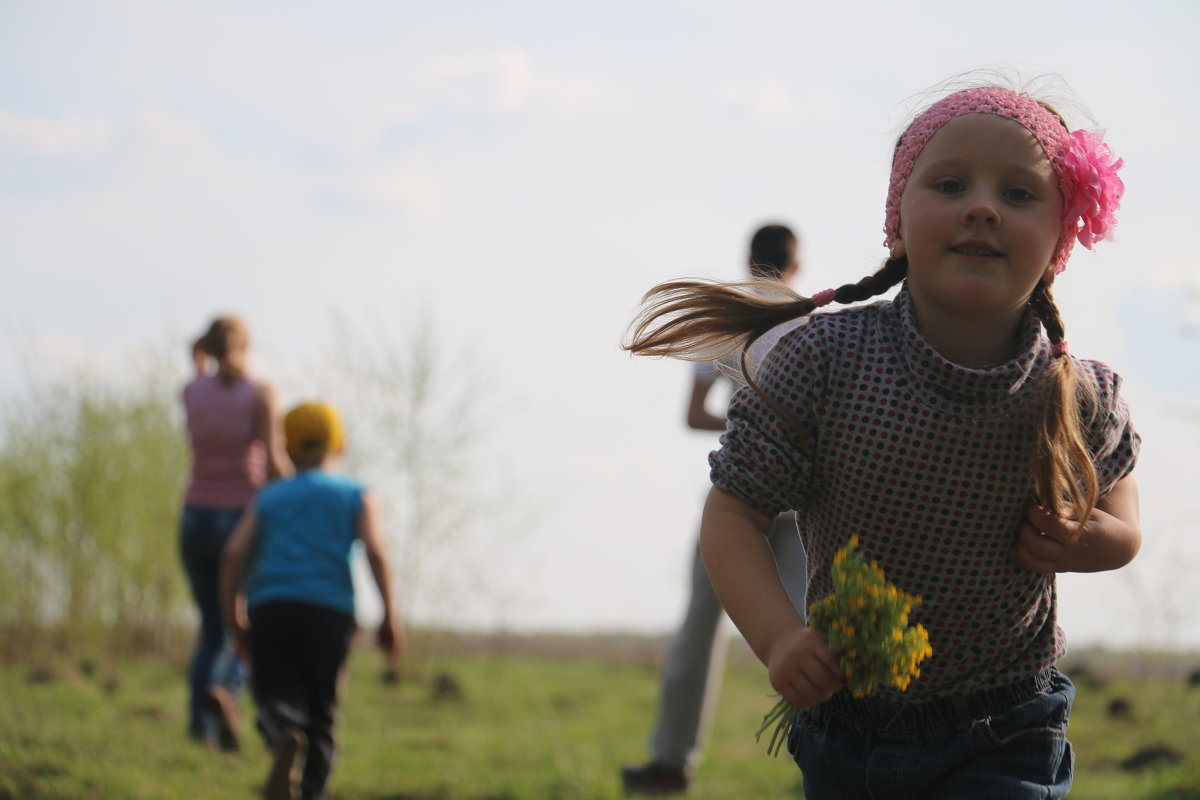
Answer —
1019 195
948 186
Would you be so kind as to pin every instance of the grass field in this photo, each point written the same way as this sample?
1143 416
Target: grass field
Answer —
543 718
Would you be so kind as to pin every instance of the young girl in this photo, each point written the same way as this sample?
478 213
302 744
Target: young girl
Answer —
971 454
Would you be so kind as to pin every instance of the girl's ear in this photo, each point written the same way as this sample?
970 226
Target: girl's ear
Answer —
1048 275
899 250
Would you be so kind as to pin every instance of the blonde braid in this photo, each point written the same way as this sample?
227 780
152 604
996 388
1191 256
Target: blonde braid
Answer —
1064 475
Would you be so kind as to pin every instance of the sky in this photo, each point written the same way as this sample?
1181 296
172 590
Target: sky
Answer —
516 175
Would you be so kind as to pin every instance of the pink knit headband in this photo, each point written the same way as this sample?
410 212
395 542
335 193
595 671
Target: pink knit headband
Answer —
1087 176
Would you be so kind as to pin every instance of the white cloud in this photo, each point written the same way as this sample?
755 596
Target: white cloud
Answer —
488 85
500 81
68 137
766 100
172 133
774 101
410 183
465 95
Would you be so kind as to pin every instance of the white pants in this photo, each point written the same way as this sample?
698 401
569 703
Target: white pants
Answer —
691 676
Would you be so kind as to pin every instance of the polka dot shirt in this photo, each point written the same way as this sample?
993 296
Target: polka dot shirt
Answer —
926 461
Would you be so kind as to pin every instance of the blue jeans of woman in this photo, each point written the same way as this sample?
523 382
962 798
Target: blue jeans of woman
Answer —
202 535
1017 751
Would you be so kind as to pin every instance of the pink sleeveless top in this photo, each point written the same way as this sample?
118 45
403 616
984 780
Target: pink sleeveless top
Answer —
228 462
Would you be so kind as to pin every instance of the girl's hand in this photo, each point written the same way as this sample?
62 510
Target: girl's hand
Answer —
1045 542
803 669
1108 540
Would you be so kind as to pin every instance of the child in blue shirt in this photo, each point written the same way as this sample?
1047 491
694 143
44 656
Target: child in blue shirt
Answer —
287 595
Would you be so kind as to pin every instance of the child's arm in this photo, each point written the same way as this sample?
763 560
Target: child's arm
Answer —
1109 539
741 567
391 637
698 416
233 567
268 427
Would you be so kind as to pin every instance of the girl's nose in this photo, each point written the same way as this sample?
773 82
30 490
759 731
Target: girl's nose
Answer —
981 210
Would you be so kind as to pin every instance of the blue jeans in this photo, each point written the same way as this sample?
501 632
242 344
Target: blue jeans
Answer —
202 535
1017 752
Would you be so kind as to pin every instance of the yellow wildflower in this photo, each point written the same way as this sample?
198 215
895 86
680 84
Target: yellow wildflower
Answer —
864 621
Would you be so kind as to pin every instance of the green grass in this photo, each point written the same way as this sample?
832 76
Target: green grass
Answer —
534 721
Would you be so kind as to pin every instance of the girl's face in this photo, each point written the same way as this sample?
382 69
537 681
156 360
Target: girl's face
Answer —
979 218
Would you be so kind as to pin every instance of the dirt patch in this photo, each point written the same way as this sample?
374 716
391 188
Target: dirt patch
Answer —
1152 757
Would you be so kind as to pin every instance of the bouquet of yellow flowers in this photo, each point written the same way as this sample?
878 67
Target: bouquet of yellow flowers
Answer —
865 621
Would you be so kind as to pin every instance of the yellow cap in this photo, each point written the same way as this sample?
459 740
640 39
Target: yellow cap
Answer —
312 430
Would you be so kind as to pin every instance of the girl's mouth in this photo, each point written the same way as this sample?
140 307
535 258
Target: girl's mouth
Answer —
980 250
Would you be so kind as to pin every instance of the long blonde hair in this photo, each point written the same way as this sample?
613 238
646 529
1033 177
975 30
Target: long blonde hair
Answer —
701 320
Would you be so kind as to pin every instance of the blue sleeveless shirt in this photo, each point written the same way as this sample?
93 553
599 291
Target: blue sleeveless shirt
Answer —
307 527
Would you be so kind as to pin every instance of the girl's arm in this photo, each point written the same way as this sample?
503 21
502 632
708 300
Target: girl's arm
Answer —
268 427
698 416
1109 539
233 569
391 637
741 567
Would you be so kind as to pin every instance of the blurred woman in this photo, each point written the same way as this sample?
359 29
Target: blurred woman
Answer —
236 443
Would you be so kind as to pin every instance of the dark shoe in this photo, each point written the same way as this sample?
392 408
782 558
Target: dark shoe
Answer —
654 778
284 781
223 707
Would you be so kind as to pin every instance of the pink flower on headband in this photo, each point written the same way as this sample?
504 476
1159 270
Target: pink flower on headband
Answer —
1088 164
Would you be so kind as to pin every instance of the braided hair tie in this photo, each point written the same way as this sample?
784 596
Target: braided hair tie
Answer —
823 297
1058 349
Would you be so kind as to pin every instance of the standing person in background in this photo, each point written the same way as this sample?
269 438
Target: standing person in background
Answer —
691 676
236 445
290 558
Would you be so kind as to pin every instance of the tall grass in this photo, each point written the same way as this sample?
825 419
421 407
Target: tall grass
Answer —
91 474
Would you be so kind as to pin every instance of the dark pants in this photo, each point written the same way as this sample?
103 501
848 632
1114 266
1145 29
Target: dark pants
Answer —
202 535
298 651
1018 752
